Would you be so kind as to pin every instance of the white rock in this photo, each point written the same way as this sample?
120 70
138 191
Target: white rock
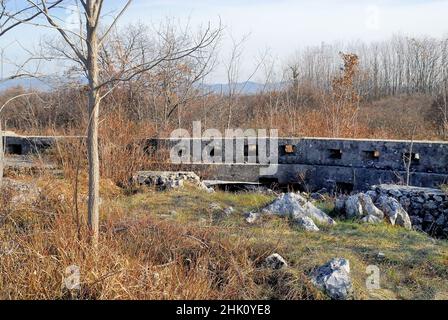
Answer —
169 179
371 219
275 262
293 205
339 206
317 215
353 207
228 211
334 279
287 204
368 208
361 205
252 217
395 212
306 224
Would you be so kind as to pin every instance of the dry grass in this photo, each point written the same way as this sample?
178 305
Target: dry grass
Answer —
147 251
140 256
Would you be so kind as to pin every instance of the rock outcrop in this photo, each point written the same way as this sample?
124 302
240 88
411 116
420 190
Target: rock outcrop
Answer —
294 206
394 212
334 279
359 206
166 180
362 207
306 224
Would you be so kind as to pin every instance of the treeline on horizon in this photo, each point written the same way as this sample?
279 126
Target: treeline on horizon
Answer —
391 89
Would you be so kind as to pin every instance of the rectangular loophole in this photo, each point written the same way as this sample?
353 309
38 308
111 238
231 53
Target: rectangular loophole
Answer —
290 149
344 187
335 153
414 157
14 149
372 155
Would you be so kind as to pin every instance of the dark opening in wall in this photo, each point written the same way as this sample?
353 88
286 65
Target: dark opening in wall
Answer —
270 182
335 153
288 149
344 187
14 149
371 155
264 180
414 157
212 152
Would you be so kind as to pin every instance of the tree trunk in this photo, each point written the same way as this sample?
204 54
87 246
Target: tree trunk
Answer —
1 154
92 137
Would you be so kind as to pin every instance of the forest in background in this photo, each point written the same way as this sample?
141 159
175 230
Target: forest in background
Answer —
394 89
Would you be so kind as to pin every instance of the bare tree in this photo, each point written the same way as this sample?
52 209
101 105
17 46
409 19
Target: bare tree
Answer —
84 50
13 14
410 156
233 65
2 154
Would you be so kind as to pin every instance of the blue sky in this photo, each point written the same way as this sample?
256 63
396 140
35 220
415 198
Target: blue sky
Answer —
284 26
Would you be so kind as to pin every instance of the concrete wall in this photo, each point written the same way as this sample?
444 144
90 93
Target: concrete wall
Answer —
344 164
313 163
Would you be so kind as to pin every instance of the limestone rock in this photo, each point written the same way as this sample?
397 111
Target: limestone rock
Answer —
368 207
317 215
334 279
306 224
293 205
252 217
371 219
228 211
361 205
166 180
287 205
395 212
353 207
275 262
339 206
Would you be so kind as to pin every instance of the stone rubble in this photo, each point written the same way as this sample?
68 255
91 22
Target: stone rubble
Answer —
275 262
167 180
299 210
334 279
427 208
294 206
362 207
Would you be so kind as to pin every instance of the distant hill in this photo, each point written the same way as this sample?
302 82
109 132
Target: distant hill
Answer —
249 87
28 83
